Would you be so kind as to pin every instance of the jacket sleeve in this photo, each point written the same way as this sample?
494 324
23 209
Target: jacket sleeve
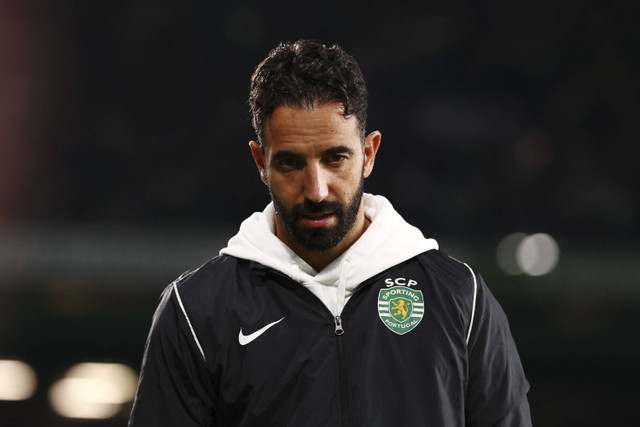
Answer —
497 387
174 387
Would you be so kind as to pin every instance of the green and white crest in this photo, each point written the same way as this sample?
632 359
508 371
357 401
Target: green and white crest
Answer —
400 308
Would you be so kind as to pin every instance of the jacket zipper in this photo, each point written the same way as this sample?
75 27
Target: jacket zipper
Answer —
339 330
345 396
345 402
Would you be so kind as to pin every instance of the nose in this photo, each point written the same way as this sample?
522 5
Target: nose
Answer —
316 187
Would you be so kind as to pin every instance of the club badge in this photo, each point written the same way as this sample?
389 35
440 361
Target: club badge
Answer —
400 308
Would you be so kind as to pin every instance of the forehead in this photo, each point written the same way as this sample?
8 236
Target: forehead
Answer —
324 124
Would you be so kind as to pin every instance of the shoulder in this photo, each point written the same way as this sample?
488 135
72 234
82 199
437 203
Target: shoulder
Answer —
447 271
212 271
212 281
455 285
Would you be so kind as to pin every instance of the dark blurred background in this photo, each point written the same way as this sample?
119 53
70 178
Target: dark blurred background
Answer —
124 161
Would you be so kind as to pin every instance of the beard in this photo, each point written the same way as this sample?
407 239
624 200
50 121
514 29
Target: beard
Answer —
322 238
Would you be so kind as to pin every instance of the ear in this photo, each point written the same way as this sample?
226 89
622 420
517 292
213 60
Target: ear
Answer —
258 156
371 145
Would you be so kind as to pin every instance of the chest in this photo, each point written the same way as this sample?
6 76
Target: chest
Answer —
402 326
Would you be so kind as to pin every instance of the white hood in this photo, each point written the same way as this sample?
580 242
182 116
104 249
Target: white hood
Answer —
389 240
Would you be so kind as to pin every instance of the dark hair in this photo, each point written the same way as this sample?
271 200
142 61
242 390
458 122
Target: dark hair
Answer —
307 74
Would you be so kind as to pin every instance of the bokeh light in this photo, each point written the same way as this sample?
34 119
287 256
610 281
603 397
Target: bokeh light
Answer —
534 255
18 380
538 254
93 390
506 253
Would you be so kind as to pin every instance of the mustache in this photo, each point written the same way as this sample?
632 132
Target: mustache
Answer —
310 207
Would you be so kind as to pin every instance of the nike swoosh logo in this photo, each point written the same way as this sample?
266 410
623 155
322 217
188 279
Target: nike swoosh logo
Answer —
246 339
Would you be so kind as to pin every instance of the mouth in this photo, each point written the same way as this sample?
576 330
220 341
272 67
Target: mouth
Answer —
317 219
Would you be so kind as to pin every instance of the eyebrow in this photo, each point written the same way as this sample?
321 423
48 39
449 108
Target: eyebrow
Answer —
338 150
284 155
292 154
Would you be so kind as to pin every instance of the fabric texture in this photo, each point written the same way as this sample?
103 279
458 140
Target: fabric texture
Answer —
394 332
388 241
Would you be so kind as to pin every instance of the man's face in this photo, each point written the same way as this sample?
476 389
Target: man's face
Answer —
314 164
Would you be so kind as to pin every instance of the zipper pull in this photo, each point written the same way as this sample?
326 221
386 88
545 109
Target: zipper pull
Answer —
339 330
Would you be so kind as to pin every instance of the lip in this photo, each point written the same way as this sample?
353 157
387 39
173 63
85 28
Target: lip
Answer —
317 220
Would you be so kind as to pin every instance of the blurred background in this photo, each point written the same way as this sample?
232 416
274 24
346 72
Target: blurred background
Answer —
511 135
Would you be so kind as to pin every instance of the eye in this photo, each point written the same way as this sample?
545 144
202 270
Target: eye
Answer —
336 159
287 163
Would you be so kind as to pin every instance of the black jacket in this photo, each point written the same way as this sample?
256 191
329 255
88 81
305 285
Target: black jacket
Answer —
455 364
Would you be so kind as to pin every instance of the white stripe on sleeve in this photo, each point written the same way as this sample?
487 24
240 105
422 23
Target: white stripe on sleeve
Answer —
473 307
195 338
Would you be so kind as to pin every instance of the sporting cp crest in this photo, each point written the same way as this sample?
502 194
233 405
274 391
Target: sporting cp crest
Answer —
400 308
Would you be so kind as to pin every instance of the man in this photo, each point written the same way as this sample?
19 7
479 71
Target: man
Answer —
327 308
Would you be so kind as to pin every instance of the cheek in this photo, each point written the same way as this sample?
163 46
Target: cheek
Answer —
355 174
284 188
346 185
